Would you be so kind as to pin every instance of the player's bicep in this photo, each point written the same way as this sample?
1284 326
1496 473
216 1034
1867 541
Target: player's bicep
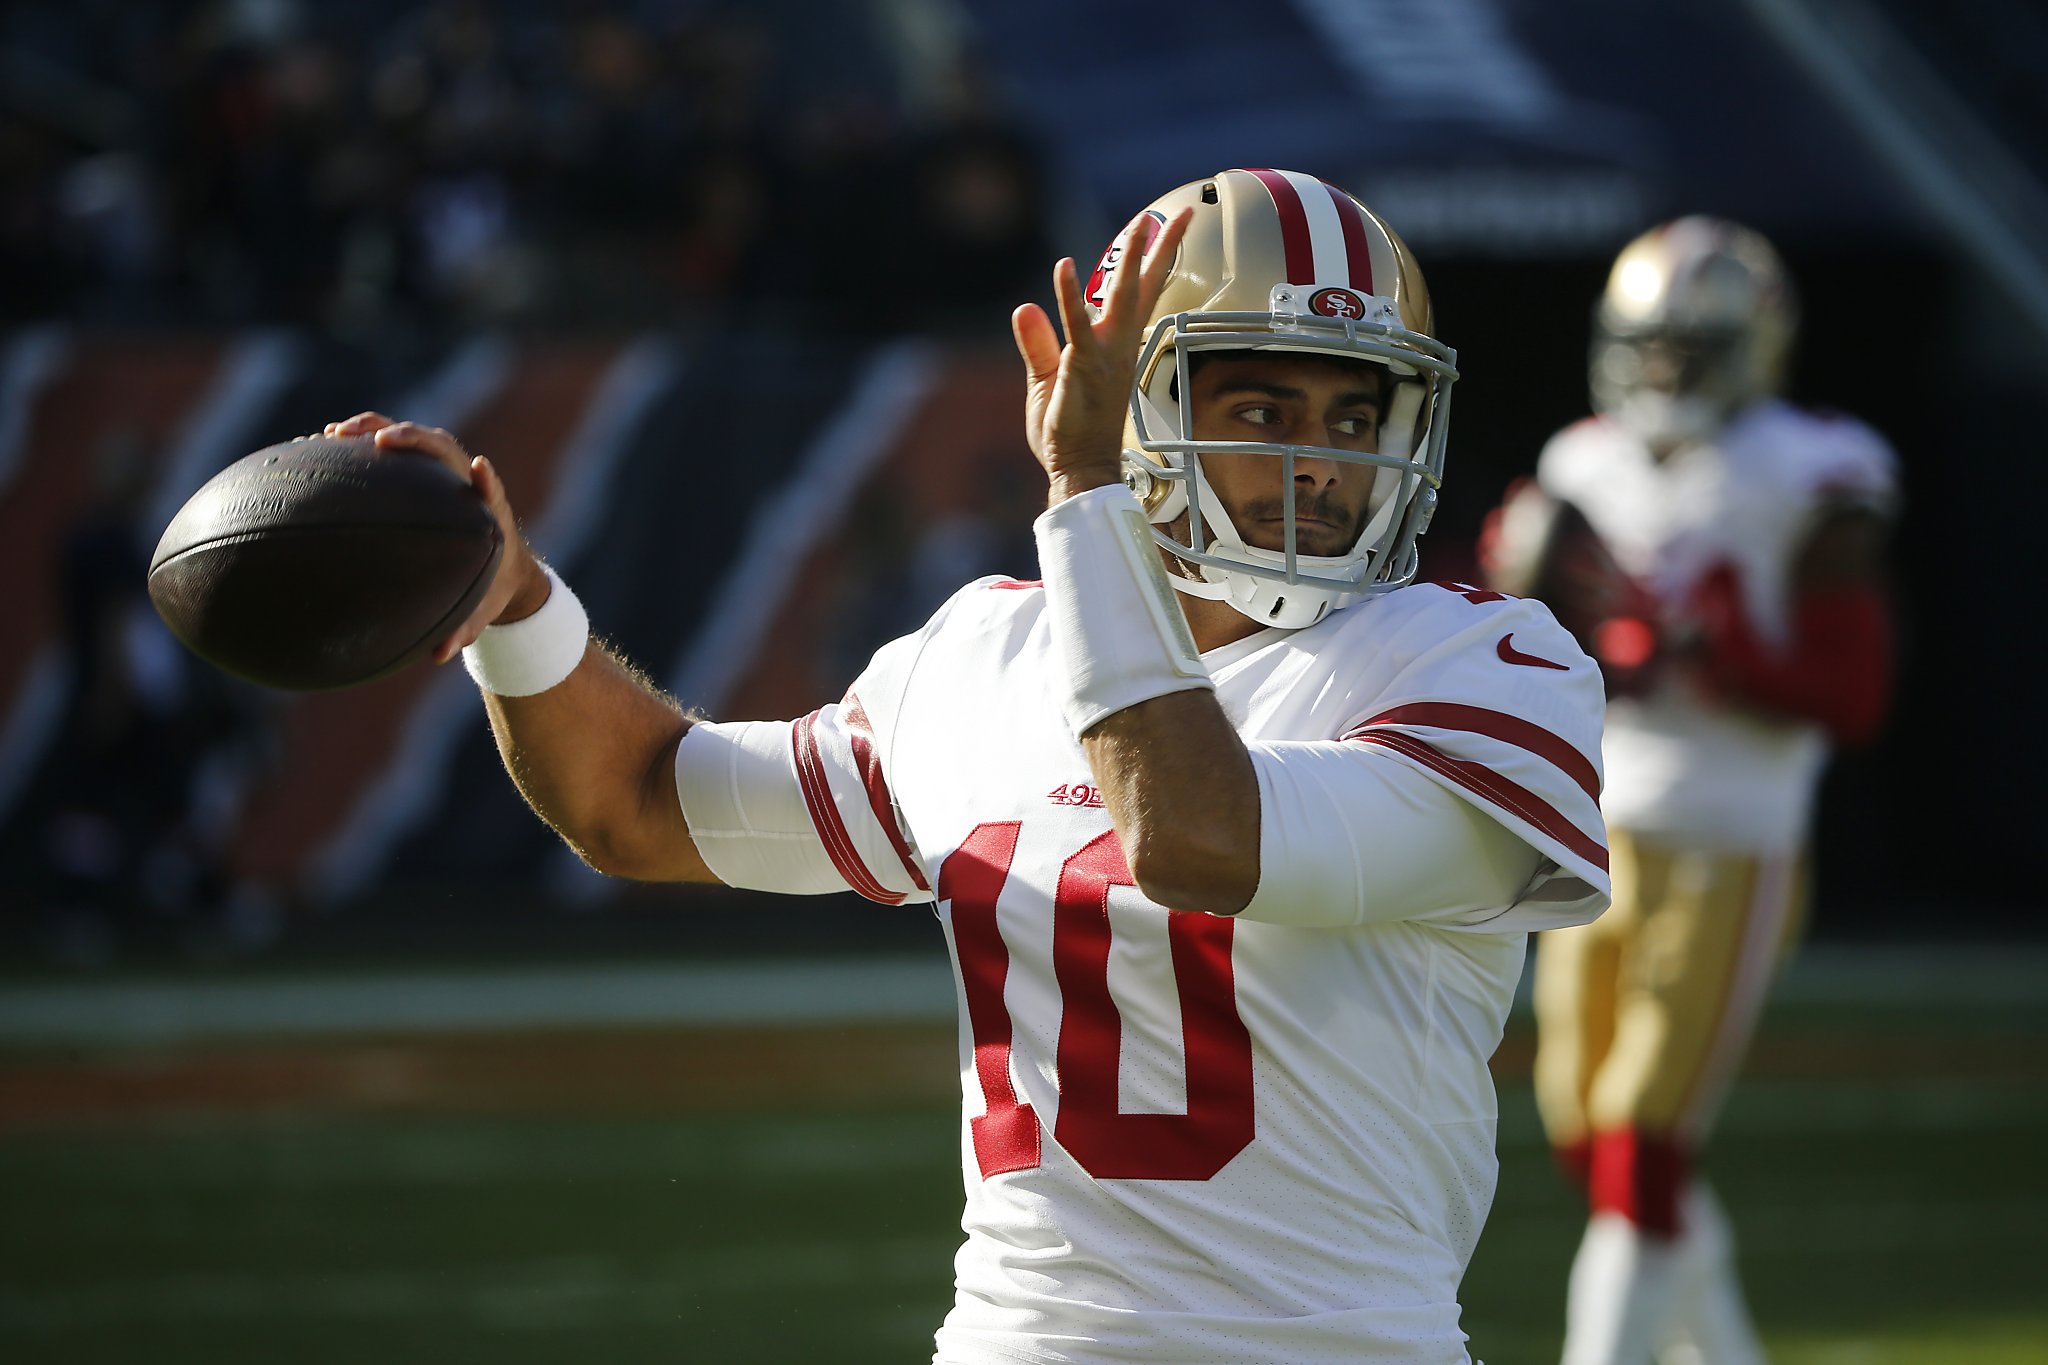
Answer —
1348 836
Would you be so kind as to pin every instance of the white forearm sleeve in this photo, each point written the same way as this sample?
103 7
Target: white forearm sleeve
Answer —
745 808
1116 626
1348 836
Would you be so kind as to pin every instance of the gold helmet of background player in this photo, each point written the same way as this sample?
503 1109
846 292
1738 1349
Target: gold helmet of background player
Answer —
1279 260
1693 327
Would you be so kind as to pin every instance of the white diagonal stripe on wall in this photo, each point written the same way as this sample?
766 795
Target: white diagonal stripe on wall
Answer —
779 538
28 730
470 378
215 431
33 358
221 428
784 531
414 785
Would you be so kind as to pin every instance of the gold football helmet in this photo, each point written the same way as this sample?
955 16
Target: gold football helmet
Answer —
1278 260
1693 327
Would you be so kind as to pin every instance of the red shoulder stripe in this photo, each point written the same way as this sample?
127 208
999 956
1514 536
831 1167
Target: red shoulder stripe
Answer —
1490 786
810 771
862 736
1450 715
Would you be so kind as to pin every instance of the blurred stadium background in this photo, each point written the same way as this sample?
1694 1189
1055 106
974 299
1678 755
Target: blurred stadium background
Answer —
313 1044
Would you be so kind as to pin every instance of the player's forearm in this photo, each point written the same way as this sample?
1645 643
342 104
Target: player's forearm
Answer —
1834 666
1180 789
594 756
1835 670
1174 774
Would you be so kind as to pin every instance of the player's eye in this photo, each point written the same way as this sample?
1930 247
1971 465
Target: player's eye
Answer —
1260 414
1358 424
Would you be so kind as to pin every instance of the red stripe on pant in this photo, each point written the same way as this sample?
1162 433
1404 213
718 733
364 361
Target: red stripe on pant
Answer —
1640 1176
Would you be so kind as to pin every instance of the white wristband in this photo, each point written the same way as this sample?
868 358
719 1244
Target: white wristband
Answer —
1119 632
531 655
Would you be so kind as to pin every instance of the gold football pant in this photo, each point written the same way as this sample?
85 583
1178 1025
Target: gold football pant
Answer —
1643 1015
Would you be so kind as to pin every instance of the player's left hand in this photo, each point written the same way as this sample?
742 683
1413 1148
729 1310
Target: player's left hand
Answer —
1077 394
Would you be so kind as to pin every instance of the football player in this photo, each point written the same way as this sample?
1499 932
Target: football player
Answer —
1234 836
1720 553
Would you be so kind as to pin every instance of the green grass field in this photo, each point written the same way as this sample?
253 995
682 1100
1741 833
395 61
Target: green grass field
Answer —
538 1200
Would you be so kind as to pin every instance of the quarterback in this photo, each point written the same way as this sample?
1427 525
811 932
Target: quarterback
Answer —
1235 834
1718 551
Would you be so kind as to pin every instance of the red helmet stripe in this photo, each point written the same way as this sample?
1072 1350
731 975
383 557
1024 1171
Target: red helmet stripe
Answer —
1356 252
1294 235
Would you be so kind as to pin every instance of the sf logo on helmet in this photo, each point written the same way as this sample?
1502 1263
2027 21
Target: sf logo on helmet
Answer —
1336 303
1098 283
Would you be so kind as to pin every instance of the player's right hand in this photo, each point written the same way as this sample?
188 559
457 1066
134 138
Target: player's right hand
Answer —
519 587
1077 392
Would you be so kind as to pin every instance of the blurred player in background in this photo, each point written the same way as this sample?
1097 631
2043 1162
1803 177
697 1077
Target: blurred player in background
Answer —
1718 551
1257 1125
124 842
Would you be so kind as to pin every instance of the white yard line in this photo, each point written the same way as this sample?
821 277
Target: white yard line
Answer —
852 990
900 988
576 1291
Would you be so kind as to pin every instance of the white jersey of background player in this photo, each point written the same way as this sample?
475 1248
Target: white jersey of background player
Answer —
1256 1125
1682 761
1719 551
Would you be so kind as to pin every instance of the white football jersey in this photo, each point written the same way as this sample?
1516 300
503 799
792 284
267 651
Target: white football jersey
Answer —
1680 763
1188 1137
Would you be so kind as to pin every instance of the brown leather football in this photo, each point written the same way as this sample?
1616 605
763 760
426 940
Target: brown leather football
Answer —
323 563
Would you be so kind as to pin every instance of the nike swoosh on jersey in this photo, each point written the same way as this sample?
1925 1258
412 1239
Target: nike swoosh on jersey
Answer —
1509 654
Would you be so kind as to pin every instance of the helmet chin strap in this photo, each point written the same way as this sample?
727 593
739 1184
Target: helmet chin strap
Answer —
1198 587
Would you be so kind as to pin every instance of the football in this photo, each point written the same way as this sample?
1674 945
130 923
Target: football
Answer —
322 563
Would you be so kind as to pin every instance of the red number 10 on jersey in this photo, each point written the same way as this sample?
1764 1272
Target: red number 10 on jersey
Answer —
1106 1143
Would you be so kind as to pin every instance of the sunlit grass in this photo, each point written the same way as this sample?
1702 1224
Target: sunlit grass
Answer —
1887 1215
